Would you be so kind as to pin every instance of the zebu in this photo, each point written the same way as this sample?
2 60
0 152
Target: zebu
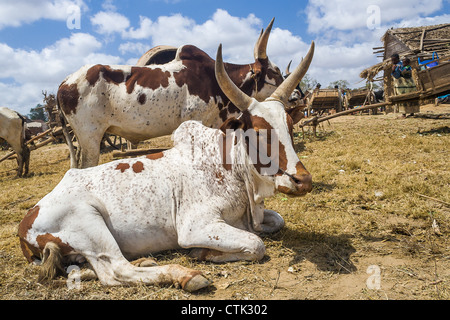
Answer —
207 193
12 129
143 102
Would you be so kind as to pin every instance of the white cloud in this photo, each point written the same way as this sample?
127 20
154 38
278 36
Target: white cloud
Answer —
238 35
109 22
108 5
138 48
17 12
323 15
423 21
24 74
344 41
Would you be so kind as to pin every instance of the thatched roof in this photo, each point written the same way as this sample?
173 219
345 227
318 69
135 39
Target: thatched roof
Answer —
421 40
412 42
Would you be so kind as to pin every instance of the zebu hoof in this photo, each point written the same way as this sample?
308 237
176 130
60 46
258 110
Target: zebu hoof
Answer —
196 283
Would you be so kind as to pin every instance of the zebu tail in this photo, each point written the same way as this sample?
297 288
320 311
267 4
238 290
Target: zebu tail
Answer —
51 262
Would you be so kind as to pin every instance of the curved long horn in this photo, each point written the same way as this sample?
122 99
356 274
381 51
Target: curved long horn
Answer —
261 45
236 96
287 72
284 91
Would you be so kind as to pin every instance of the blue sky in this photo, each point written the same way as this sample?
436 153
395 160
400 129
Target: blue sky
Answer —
43 41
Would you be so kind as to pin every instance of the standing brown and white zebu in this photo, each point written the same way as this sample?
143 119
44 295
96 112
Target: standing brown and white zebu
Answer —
12 129
139 103
206 193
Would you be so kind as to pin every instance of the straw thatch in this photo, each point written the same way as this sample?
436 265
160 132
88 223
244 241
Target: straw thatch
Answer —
410 42
420 41
371 72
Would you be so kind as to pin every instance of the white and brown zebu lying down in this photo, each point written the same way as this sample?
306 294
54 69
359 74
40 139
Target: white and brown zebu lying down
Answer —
12 129
206 193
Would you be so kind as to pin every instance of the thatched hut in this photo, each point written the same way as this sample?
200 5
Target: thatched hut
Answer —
415 43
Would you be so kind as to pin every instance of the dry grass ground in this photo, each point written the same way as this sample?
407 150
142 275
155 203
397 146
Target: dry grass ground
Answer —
370 206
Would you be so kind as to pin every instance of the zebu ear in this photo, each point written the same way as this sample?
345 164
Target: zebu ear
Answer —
232 124
296 113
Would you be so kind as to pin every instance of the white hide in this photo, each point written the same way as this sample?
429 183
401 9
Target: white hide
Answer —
185 199
108 107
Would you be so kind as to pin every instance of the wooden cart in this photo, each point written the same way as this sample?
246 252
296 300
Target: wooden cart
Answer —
430 82
322 100
360 98
434 80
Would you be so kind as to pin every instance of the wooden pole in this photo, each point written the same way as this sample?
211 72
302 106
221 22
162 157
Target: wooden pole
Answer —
39 136
135 152
36 146
7 156
43 143
421 40
316 120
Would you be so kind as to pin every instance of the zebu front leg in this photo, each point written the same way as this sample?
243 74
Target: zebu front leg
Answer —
89 143
217 241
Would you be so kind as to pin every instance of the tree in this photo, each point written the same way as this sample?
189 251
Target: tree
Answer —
308 83
37 113
342 84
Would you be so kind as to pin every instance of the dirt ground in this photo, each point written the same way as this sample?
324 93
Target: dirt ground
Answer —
375 227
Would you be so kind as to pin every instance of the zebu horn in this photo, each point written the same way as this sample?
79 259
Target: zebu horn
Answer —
284 90
236 96
287 72
261 45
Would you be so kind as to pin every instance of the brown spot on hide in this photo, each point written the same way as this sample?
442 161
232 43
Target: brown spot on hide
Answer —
200 79
301 170
142 98
274 74
219 177
29 251
110 75
155 156
122 167
284 190
147 78
27 221
138 167
295 114
44 238
67 97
